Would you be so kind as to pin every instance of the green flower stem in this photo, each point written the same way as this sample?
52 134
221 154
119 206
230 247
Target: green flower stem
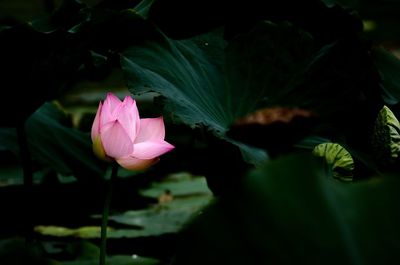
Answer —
28 180
106 211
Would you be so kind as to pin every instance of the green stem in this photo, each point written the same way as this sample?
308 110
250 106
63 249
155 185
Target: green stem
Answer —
106 211
28 179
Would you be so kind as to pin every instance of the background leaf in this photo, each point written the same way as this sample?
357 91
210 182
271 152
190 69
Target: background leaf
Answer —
37 66
55 145
188 197
86 253
325 24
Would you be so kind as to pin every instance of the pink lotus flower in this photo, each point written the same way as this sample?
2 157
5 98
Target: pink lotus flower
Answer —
119 134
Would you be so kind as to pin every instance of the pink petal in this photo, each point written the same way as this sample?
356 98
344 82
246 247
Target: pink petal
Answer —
128 115
132 163
149 150
96 124
116 142
112 101
151 129
110 105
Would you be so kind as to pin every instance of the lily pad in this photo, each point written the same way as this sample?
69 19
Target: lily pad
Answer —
183 184
159 220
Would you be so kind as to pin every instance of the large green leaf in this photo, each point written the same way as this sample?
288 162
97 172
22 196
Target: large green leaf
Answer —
290 212
53 144
206 82
206 85
189 83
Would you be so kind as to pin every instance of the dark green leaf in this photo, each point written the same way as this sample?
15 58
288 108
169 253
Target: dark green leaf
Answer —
143 7
162 219
200 16
70 14
158 220
206 85
16 251
290 212
389 67
64 149
311 141
55 145
181 72
35 67
88 254
188 196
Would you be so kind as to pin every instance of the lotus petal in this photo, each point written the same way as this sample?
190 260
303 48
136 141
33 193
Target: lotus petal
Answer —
128 115
150 150
116 142
151 129
133 163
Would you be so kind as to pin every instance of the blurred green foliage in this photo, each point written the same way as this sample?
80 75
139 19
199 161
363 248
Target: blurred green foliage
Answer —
206 66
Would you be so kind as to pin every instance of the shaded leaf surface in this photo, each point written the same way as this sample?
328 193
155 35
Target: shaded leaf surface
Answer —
88 254
201 88
52 143
213 83
389 67
15 251
204 82
290 212
275 129
326 24
35 65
